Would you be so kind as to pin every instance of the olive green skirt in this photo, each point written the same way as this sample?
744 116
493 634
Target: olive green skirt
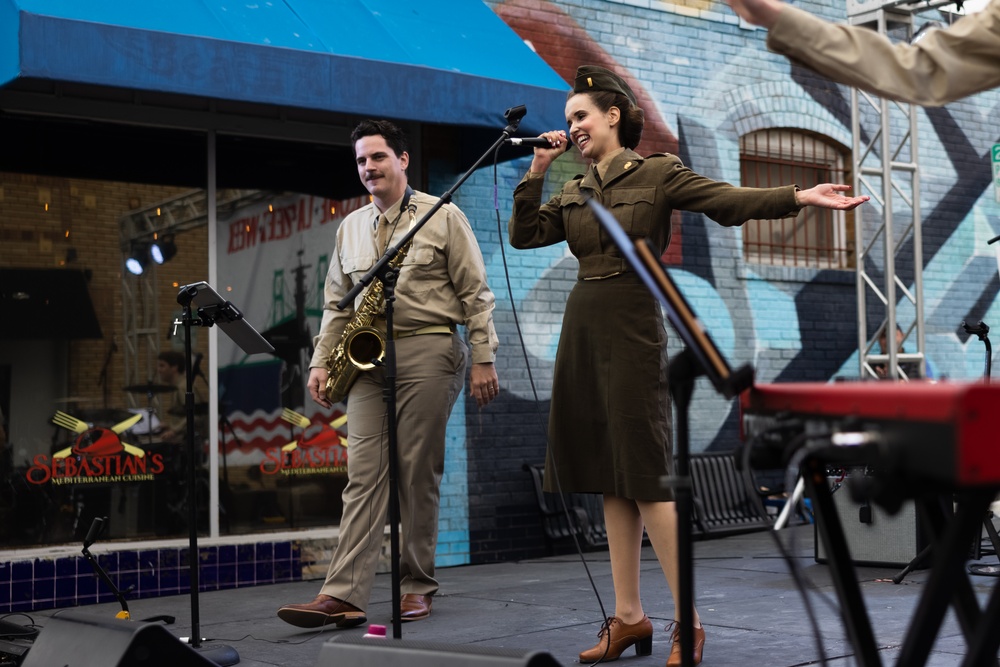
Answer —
610 420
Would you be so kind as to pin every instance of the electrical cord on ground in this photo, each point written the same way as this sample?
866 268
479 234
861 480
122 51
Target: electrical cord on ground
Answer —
802 449
8 629
605 626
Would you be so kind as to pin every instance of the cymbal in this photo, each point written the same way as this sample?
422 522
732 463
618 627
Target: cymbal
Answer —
149 388
180 410
102 416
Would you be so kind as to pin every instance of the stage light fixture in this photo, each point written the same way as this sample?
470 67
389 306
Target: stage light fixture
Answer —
138 258
163 250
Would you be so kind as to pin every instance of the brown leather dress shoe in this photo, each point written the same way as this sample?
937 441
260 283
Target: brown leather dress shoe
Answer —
324 610
414 607
616 636
675 644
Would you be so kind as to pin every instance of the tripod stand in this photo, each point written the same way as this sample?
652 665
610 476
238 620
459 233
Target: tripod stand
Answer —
981 330
212 309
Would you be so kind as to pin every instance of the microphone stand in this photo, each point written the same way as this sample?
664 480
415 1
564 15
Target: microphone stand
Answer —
388 275
682 372
982 330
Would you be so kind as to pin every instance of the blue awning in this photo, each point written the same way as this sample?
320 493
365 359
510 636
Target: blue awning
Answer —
433 61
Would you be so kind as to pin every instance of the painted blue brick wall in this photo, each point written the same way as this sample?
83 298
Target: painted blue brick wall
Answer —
792 324
711 80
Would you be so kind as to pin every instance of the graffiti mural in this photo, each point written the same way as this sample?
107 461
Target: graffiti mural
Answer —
704 80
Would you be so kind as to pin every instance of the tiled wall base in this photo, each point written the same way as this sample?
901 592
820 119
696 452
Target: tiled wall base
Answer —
69 581
59 581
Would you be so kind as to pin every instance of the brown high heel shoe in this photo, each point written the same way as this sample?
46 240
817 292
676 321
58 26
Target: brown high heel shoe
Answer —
675 644
615 636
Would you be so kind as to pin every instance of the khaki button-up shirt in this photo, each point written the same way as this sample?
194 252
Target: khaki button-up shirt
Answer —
942 67
442 279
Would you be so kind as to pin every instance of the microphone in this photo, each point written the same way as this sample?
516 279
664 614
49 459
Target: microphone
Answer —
528 141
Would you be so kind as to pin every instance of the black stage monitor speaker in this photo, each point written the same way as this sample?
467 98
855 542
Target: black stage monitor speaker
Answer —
384 652
78 640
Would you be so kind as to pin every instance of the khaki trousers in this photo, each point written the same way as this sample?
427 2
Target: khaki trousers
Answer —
430 373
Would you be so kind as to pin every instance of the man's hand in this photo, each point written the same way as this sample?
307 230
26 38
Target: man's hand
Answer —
483 381
317 385
759 12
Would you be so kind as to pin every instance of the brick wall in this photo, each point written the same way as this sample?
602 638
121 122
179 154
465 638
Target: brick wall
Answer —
82 216
703 80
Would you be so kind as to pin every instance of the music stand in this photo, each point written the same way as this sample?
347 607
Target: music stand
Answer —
212 309
701 356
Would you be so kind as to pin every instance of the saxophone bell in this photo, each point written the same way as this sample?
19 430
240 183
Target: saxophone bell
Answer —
365 348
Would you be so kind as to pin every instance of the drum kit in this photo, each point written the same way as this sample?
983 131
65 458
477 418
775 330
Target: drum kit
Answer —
43 513
78 413
150 426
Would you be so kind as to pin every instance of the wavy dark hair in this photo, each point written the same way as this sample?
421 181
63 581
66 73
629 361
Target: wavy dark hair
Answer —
632 117
393 135
173 358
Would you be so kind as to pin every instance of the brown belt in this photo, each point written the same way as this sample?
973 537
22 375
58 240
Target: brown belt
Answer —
432 329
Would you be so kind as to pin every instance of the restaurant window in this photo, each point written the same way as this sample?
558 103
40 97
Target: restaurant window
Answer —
94 426
814 238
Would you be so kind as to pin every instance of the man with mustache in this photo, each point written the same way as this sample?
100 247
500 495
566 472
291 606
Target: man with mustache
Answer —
442 283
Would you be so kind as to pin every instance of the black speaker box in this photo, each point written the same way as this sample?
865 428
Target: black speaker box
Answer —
72 639
384 652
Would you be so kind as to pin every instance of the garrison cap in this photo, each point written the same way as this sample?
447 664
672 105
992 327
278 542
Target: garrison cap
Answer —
594 78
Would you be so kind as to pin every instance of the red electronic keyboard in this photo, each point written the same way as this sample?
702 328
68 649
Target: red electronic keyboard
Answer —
936 441
939 432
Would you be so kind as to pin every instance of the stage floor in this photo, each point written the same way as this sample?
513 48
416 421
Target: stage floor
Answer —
748 602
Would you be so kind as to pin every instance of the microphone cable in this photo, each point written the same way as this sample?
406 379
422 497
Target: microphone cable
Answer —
543 424
804 445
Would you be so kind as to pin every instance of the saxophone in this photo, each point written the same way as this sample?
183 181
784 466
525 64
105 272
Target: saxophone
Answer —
361 346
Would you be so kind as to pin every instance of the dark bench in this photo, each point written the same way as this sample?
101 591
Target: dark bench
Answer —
722 504
585 515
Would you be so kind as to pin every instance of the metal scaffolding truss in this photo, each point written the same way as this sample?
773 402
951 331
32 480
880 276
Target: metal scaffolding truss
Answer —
885 152
143 330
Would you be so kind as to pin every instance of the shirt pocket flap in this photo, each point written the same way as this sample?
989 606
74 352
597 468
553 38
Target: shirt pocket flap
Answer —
421 256
572 199
633 208
630 196
357 263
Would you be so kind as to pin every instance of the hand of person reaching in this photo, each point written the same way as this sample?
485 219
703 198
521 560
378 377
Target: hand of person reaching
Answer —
828 195
758 12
